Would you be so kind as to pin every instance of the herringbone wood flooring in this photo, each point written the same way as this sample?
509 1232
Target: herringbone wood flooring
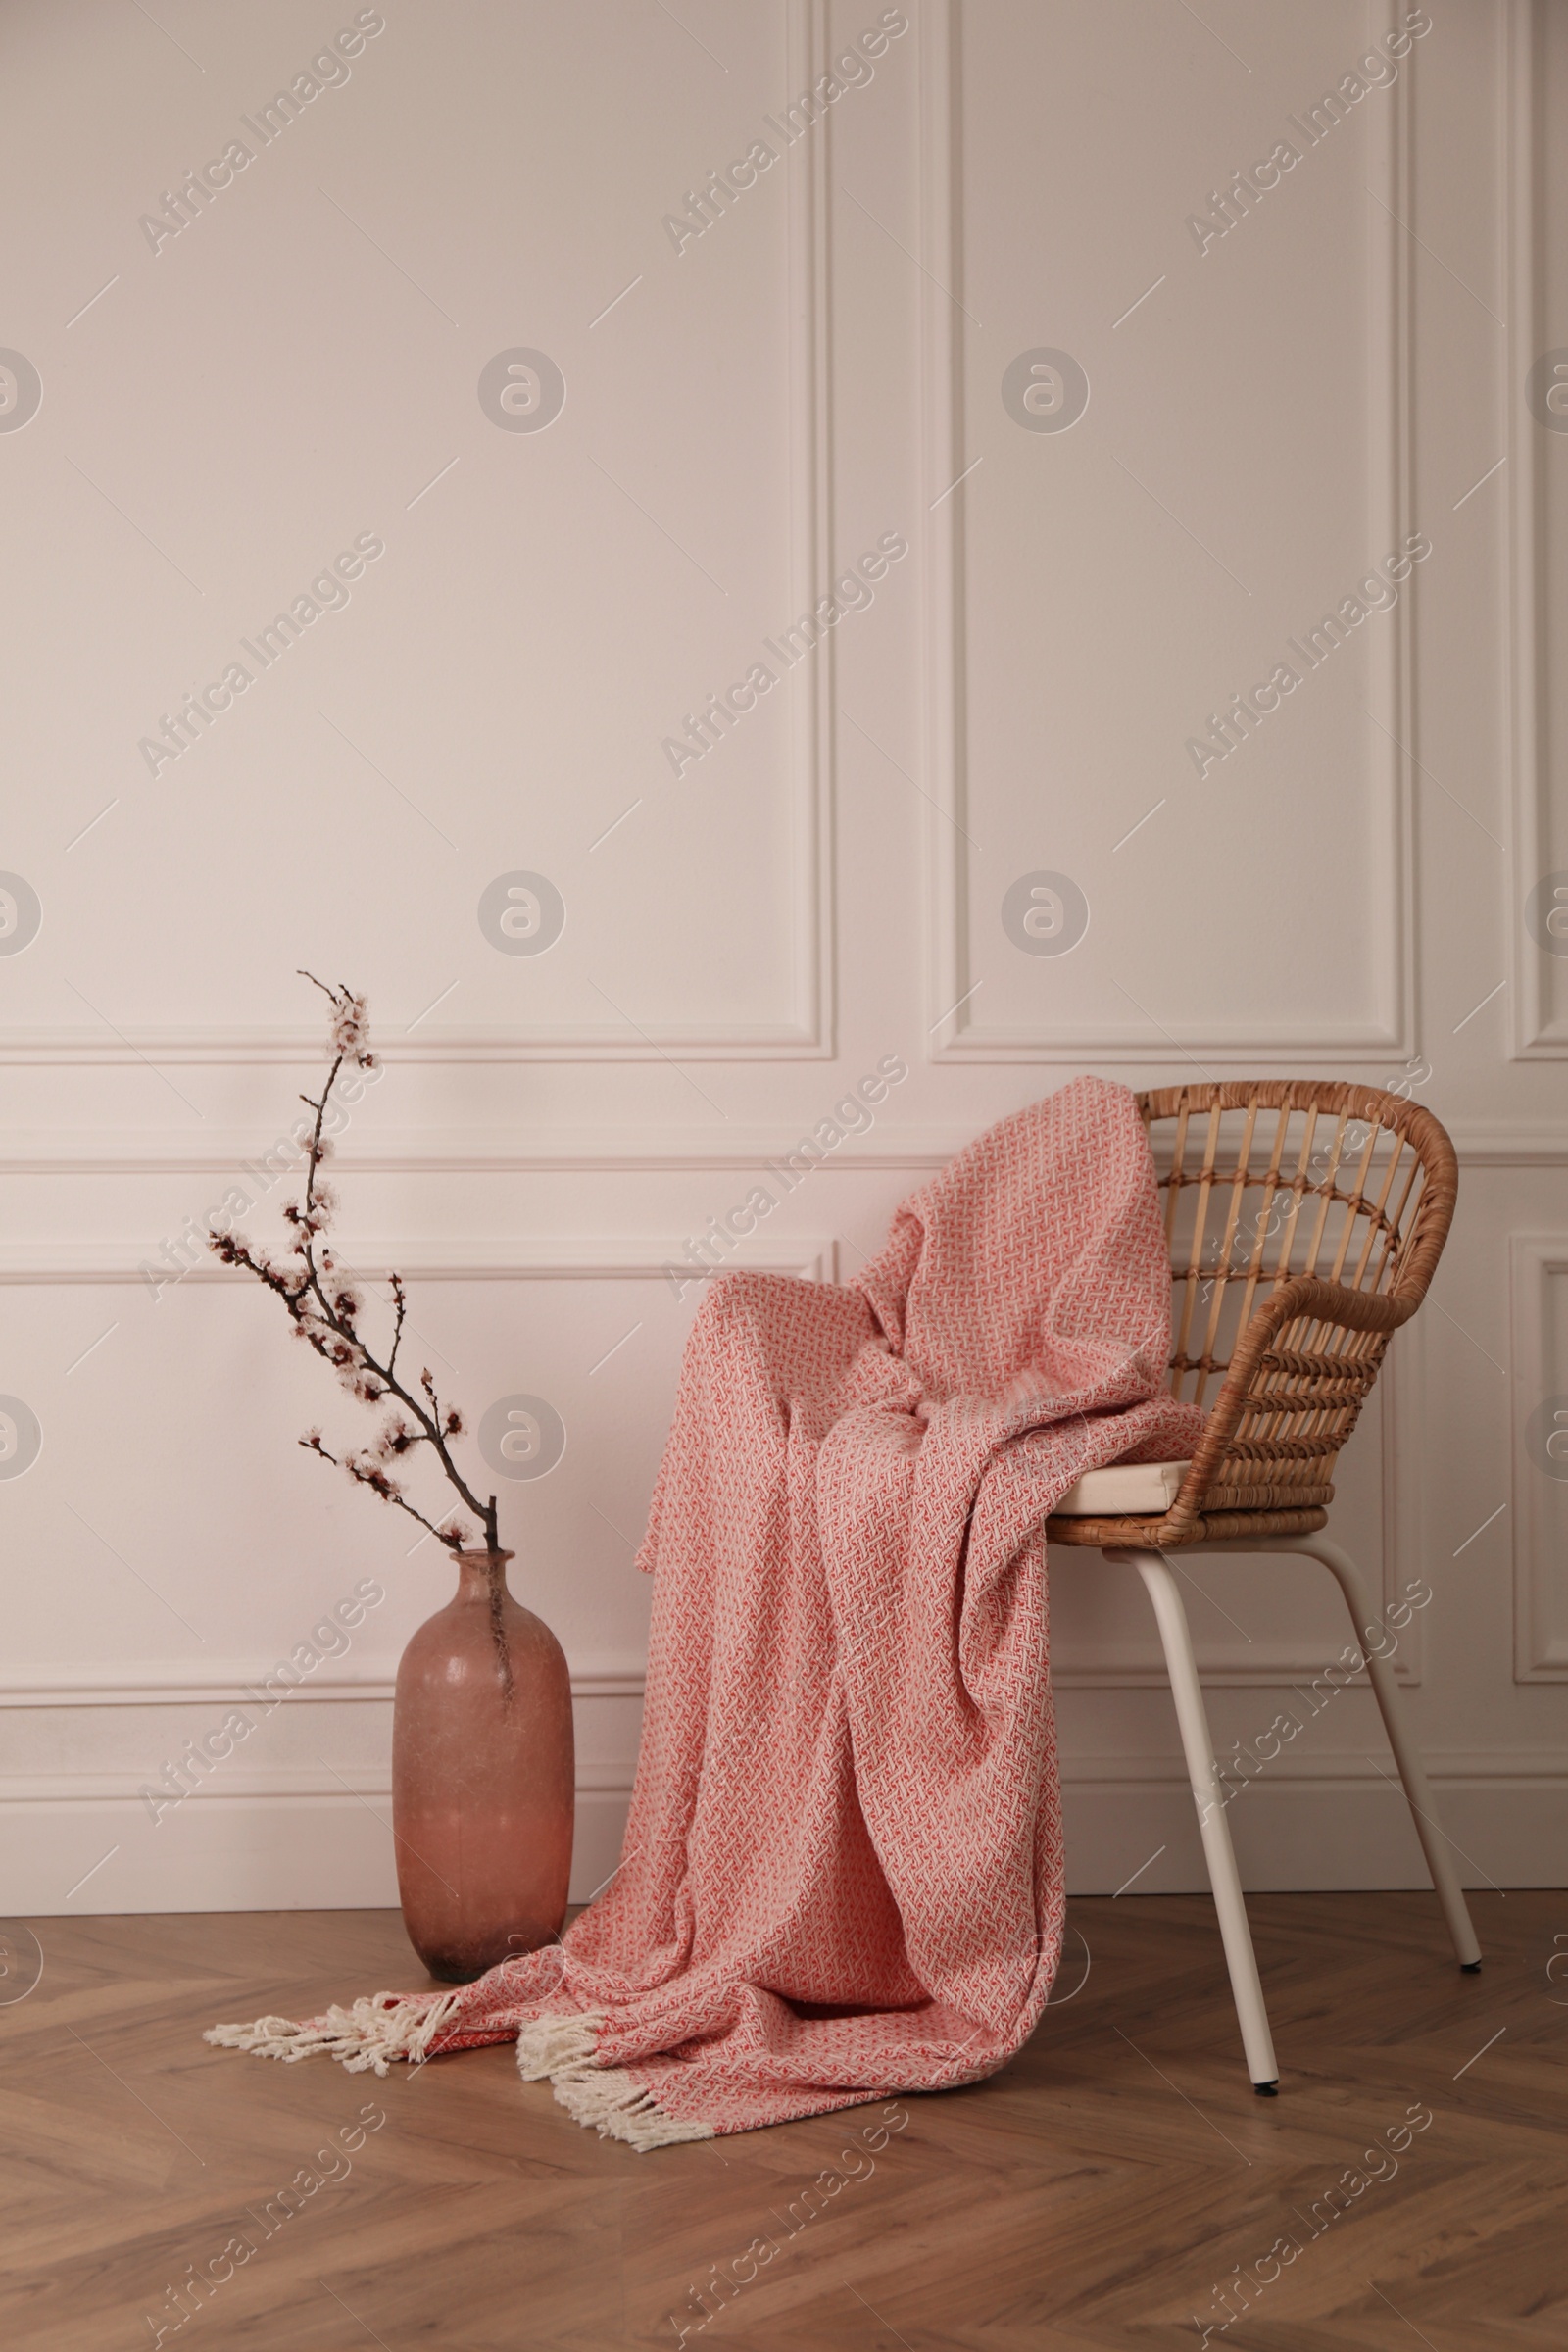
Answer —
1097 2193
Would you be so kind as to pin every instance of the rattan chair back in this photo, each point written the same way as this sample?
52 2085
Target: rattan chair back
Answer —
1304 1219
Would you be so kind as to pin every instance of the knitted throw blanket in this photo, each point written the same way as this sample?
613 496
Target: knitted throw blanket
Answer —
843 1868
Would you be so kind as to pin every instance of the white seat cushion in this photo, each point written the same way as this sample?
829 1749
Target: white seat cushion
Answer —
1123 1489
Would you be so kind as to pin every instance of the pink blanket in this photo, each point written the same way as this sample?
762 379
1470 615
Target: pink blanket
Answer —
843 1868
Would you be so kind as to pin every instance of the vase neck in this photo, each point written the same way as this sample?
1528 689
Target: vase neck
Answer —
478 1572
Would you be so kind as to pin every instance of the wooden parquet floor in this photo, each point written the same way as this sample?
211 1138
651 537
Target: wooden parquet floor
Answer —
1096 2194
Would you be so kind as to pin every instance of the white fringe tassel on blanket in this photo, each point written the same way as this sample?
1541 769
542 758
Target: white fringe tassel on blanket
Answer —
561 2048
381 2028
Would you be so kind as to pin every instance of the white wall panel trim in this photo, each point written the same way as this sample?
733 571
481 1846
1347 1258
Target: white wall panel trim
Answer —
808 1033
632 1151
1539 1373
1537 1034
452 1259
174 1682
171 1681
958 1034
231 1682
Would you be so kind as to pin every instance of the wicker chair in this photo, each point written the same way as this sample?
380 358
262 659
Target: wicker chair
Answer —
1304 1220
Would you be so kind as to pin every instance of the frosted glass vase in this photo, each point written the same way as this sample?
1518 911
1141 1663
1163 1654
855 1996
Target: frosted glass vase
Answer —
482 1778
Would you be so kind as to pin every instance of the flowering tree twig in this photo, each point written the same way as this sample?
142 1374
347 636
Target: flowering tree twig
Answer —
324 1308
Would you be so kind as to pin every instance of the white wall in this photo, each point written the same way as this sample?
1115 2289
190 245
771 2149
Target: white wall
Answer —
1345 892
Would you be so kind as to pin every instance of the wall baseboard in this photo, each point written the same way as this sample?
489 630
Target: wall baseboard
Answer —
292 1838
1317 1835
307 1848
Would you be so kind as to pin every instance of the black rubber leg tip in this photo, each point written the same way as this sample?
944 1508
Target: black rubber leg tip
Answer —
1472 1967
1267 2091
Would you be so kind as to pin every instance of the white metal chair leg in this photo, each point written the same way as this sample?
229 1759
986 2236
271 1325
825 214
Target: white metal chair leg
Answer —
1209 1798
1406 1755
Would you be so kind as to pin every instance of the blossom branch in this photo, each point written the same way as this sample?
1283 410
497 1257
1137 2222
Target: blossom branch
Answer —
325 1307
367 1472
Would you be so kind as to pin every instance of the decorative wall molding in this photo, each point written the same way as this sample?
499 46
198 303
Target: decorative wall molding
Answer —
166 1682
1278 1666
233 1785
1402 1423
1538 1032
199 1682
1537 1267
1506 1144
298 1833
530 1258
236 1682
959 1035
808 1033
616 1151
609 1041
1346 1768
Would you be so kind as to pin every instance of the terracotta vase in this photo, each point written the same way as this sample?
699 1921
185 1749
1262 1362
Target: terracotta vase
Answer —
482 1778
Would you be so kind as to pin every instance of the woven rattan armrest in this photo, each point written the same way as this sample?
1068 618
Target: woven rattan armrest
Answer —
1288 1400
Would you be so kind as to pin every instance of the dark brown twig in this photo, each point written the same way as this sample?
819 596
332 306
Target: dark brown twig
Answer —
325 1307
